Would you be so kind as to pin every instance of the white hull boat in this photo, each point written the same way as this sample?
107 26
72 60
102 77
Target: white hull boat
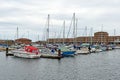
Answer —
30 52
98 50
26 54
83 51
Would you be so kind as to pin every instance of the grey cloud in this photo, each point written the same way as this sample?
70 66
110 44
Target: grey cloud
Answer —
93 3
8 24
9 12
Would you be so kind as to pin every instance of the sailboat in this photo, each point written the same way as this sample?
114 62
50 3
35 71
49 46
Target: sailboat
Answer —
84 47
50 51
27 52
65 51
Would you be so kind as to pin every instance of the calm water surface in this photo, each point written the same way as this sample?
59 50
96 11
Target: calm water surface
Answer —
95 66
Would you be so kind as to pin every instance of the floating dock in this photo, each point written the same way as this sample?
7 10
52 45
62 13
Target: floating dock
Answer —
50 56
42 56
9 54
4 49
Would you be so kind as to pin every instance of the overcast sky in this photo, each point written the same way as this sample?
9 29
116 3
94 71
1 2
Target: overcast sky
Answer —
30 16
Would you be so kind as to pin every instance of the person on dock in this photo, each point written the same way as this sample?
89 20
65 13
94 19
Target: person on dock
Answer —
59 52
89 48
74 46
53 50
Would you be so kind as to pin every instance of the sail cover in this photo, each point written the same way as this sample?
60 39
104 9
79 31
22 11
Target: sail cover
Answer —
32 49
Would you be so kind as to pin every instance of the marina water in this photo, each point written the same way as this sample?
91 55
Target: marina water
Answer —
94 66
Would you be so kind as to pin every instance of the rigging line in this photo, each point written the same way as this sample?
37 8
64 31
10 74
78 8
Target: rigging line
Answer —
83 34
43 35
85 31
59 35
47 29
69 28
44 31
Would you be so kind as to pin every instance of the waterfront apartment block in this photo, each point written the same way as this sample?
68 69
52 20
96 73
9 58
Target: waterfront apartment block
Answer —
99 37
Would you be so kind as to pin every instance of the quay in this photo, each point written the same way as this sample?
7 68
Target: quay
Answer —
50 56
42 56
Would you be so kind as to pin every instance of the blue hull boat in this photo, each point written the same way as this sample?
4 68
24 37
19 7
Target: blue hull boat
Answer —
68 53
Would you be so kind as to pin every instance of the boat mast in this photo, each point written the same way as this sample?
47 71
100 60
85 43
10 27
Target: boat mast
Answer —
74 28
54 38
86 34
38 37
48 29
114 36
63 32
101 33
17 33
91 36
28 34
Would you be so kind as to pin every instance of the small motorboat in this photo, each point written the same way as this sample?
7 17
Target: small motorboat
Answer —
27 52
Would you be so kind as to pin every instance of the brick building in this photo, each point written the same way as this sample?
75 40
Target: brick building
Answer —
99 37
6 42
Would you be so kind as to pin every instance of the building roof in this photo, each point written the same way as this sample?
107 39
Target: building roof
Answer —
101 32
23 39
